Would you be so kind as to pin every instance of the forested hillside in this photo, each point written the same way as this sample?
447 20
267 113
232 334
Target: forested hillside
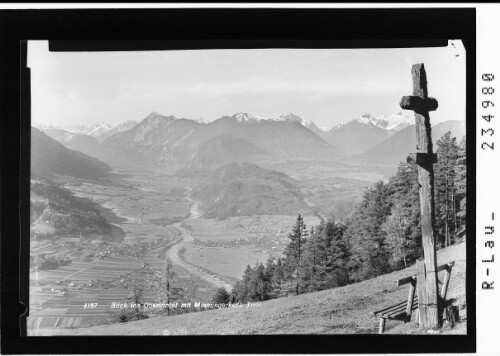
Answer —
56 212
244 189
382 235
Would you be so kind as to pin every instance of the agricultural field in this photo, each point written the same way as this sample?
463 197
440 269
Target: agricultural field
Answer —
103 272
227 246
204 230
73 309
144 212
230 262
304 170
268 233
146 207
158 220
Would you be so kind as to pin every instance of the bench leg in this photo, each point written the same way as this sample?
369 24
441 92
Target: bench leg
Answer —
409 305
381 326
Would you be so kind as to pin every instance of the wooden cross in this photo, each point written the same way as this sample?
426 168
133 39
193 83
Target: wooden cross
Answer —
427 286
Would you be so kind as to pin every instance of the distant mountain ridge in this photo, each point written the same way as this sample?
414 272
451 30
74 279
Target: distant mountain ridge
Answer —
90 130
174 142
124 126
396 148
306 123
366 131
177 143
100 131
49 158
356 137
393 122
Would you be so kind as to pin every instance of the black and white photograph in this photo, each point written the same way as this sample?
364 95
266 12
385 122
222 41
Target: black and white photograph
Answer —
248 191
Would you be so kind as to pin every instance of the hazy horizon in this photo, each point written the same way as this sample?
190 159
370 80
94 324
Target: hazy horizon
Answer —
326 86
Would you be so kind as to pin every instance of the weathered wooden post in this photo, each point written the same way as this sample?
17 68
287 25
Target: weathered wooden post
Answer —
427 286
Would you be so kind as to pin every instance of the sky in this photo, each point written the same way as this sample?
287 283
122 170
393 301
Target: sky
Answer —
327 86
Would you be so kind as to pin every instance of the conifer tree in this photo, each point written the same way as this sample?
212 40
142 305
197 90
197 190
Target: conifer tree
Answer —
278 279
293 253
402 226
241 289
311 259
168 292
445 190
461 185
370 256
221 296
269 271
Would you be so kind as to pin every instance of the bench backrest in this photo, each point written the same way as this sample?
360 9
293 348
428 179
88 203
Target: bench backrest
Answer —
406 280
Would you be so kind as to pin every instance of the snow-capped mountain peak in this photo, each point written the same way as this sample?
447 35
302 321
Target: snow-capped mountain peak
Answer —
203 121
43 126
392 122
293 117
246 117
92 130
306 123
399 121
366 119
98 129
124 126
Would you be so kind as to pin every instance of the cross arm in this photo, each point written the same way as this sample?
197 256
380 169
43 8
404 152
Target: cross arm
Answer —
418 104
421 158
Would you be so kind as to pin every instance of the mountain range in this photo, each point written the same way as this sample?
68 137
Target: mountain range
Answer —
397 147
54 210
101 131
178 143
79 142
49 158
168 141
366 131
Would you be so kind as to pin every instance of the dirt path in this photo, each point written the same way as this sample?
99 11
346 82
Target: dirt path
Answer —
173 252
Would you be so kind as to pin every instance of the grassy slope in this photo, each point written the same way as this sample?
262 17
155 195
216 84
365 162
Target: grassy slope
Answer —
342 310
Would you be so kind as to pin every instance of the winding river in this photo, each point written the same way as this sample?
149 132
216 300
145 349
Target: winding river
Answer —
186 238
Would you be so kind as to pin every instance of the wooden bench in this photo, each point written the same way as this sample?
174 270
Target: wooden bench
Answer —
403 310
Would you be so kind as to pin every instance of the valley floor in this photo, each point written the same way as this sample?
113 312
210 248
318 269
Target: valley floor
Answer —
153 212
345 310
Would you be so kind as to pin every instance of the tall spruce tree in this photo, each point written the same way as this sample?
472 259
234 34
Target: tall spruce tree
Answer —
278 279
311 279
445 190
241 291
168 292
367 240
293 253
334 268
461 186
325 257
402 226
